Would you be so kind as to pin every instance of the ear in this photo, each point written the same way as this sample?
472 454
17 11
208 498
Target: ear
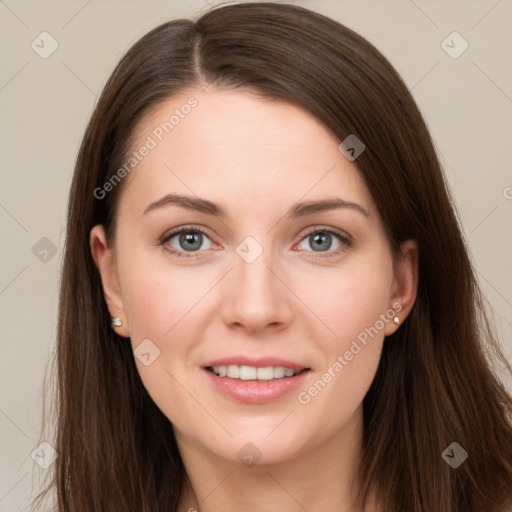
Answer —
105 262
405 284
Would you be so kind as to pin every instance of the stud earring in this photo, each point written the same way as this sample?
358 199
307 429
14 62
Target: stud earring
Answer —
116 322
396 320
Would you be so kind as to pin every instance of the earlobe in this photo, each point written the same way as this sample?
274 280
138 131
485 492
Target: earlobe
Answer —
105 262
405 285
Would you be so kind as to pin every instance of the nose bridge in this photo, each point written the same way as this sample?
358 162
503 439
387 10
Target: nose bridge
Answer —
257 297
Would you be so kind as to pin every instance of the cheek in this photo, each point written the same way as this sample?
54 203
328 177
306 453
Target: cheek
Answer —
157 296
351 359
335 396
347 300
159 302
354 306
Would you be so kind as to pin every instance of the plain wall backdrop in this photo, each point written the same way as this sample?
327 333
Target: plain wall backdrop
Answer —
56 56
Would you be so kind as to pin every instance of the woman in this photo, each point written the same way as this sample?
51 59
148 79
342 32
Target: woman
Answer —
320 345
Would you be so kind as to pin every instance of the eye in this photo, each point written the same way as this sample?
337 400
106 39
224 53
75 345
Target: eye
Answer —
185 240
321 241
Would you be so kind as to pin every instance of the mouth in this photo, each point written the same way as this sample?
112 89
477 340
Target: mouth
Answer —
263 381
244 372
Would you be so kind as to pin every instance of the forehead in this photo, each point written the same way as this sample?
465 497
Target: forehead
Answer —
230 106
234 145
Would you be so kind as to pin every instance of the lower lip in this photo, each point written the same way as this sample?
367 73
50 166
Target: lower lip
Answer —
256 391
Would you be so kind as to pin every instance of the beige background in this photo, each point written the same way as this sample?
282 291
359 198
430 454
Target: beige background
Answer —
45 104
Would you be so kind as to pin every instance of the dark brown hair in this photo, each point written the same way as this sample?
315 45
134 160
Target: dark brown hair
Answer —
435 383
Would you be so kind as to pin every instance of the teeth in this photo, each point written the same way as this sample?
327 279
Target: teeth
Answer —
247 372
234 371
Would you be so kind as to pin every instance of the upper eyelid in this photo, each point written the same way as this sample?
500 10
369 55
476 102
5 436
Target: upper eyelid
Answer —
173 232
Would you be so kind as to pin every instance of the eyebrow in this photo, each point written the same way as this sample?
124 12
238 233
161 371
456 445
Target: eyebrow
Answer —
296 211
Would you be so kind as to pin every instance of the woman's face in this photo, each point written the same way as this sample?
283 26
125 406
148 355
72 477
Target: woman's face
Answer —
266 277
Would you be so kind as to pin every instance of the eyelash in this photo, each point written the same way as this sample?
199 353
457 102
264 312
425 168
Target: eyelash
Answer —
344 240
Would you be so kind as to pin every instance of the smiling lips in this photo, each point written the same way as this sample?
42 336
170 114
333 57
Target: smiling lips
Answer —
255 381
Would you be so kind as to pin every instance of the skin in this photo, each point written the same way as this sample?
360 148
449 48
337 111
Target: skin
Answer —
256 158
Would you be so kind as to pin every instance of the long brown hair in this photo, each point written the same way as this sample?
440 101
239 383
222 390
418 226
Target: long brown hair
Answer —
435 384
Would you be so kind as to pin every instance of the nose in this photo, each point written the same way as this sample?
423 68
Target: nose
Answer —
256 297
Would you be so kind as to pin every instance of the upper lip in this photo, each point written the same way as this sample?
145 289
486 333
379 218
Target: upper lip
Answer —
260 362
